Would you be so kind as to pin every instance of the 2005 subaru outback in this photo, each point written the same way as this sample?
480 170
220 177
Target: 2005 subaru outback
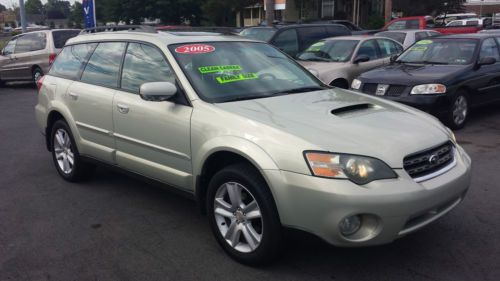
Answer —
254 137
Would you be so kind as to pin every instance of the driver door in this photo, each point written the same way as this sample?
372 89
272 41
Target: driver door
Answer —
370 49
7 60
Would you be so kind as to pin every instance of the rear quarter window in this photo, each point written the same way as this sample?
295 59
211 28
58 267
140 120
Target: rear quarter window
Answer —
61 36
71 61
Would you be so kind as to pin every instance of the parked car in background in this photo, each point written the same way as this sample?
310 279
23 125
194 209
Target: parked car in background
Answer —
444 76
408 37
293 39
446 18
28 56
337 61
356 30
427 22
483 22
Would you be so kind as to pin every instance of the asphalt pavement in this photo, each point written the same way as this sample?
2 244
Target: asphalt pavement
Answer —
114 227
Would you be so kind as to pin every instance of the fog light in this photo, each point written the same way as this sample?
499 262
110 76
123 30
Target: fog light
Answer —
350 225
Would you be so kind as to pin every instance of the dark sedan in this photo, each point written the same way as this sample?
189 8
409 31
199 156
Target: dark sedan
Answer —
443 76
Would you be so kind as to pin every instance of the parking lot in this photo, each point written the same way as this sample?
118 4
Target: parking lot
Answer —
117 228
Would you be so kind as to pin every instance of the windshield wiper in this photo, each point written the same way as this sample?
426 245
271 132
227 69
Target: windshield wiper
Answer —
299 90
429 62
318 59
244 98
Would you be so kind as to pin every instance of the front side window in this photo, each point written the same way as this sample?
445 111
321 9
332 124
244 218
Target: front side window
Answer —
104 65
71 60
489 49
31 42
369 49
441 51
231 71
330 51
398 36
10 47
144 64
287 42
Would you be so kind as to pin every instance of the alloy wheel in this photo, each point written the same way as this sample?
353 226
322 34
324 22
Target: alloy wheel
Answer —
238 217
460 110
63 151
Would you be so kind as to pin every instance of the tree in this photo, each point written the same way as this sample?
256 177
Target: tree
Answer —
76 14
223 12
427 7
2 8
34 7
58 9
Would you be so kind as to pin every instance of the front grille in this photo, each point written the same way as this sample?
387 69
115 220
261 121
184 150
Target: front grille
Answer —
393 91
370 88
427 162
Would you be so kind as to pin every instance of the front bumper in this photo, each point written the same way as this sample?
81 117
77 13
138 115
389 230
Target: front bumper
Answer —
434 104
390 208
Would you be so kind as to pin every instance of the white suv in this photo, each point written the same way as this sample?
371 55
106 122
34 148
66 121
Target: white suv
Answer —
256 139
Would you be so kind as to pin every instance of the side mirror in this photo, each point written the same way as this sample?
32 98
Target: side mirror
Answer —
157 91
486 61
361 58
394 58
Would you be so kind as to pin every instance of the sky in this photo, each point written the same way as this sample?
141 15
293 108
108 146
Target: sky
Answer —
9 3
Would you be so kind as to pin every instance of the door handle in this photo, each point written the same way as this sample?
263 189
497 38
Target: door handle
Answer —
73 95
123 109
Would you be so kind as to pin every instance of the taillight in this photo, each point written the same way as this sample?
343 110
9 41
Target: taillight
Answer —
52 58
39 83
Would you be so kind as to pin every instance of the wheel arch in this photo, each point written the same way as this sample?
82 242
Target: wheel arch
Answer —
340 82
58 112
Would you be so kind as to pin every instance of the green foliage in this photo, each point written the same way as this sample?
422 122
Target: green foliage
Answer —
56 9
2 8
76 14
375 22
223 12
34 7
428 7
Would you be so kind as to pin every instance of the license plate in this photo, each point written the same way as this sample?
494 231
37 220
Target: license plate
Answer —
381 89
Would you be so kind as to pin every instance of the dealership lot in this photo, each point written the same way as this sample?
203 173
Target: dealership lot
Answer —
117 228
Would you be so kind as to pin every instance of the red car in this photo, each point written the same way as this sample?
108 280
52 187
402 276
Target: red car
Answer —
427 22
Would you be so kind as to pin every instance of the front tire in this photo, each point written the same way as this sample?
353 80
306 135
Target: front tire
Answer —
459 111
66 156
37 74
243 216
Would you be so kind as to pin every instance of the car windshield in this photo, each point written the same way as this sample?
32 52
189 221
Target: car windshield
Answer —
440 51
330 51
231 71
398 36
260 33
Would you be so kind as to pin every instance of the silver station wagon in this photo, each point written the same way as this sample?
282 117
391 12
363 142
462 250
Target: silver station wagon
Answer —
256 139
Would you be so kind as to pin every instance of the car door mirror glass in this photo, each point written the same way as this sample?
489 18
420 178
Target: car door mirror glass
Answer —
361 58
157 91
487 61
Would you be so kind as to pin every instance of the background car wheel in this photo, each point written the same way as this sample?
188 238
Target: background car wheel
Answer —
340 83
243 216
65 154
37 74
459 111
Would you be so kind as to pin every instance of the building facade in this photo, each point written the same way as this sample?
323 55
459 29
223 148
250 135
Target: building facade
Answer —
483 7
357 11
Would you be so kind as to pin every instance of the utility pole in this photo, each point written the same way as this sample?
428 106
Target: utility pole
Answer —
388 11
22 13
269 12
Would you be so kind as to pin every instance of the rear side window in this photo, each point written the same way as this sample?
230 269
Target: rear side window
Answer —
389 48
397 25
61 36
310 35
398 36
420 36
71 61
144 64
31 42
104 65
287 42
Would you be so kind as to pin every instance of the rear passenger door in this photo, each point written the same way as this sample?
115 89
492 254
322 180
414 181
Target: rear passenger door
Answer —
152 138
91 100
489 89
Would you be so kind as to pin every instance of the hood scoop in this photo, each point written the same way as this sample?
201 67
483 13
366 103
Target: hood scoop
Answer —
355 109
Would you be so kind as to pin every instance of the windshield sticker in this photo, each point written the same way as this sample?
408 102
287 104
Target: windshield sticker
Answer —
195 49
425 42
316 47
218 68
419 48
228 78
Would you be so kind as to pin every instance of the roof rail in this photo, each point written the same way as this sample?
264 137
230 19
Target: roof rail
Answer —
115 28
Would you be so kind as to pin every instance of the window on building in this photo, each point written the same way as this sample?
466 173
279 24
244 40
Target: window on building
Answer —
104 65
327 9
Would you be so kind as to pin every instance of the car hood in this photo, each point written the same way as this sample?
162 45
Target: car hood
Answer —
326 69
343 121
412 74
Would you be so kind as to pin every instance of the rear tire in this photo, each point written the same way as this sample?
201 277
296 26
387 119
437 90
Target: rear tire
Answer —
340 83
243 216
66 156
37 74
459 111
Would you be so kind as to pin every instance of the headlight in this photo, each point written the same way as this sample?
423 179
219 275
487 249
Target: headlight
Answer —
428 89
359 169
452 135
356 84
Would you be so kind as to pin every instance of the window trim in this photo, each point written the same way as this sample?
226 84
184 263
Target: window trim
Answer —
80 71
377 50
